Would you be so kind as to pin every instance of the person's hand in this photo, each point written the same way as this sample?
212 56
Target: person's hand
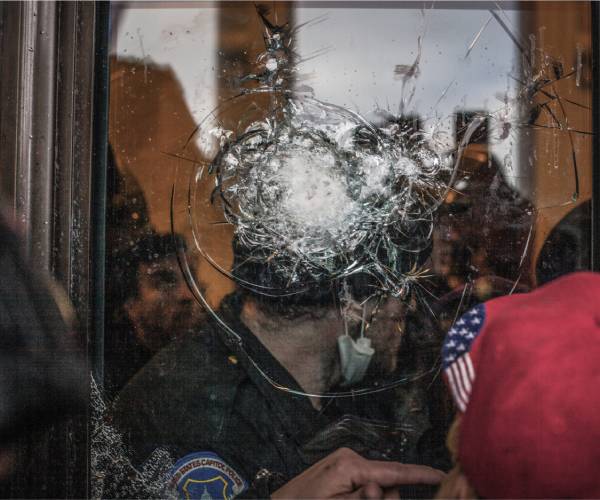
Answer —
345 474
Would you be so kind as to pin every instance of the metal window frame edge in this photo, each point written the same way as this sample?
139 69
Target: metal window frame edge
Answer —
53 148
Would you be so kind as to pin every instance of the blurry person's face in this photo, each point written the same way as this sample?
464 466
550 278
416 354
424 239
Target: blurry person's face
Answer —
164 307
445 239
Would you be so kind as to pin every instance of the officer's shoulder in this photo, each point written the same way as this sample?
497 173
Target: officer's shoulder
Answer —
199 363
203 352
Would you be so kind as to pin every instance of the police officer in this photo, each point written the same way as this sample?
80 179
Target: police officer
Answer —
236 416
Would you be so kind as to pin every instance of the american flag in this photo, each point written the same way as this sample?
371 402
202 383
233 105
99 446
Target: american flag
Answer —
456 360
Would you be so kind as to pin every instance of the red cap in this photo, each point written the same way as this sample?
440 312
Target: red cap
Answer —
531 409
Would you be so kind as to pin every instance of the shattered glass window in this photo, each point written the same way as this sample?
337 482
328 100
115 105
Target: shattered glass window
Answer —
303 198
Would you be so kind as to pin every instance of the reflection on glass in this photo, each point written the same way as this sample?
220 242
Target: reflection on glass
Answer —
337 185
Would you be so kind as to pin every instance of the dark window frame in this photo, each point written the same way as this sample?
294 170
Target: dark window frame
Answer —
53 144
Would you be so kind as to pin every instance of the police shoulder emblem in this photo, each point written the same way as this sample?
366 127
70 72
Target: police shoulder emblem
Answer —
204 475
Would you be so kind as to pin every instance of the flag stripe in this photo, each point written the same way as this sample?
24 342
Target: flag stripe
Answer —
469 364
464 375
459 385
457 400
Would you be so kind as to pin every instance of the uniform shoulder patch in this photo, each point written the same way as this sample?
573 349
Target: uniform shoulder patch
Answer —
204 475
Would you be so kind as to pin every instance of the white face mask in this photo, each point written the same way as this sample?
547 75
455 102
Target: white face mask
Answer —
355 356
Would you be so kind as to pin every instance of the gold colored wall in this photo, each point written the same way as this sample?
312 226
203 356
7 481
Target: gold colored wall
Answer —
562 33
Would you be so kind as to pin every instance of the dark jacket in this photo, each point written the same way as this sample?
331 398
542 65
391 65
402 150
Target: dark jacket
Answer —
201 394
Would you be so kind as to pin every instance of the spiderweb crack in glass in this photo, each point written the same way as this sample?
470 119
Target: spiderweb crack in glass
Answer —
321 187
316 192
112 473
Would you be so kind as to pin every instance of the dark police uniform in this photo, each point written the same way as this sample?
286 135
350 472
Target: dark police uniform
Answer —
236 434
